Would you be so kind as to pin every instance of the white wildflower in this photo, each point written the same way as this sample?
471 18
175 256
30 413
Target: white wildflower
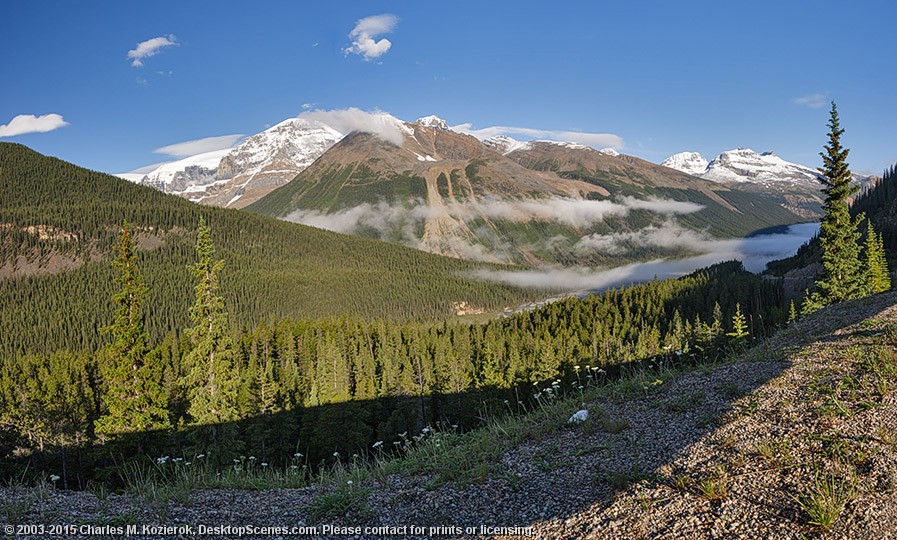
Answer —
54 477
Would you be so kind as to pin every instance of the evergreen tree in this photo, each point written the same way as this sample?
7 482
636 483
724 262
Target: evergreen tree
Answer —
841 277
212 385
739 333
811 304
135 399
877 279
792 313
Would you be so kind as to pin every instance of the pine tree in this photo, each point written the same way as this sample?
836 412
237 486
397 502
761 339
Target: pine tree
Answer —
841 277
739 333
212 385
877 279
811 304
135 399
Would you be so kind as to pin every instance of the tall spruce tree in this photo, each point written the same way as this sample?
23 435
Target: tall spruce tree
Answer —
135 399
842 276
877 279
212 385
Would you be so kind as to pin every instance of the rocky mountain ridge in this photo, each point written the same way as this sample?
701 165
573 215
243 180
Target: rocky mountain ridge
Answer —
241 175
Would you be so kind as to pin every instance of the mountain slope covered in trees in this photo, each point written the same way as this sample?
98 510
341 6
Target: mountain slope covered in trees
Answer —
58 223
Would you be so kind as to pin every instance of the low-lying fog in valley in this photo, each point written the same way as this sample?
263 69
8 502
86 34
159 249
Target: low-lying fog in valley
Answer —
401 222
754 252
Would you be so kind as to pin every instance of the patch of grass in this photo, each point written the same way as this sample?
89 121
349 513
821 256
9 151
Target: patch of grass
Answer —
591 450
681 482
620 480
715 486
684 402
729 389
824 501
117 520
774 452
16 510
348 502
614 425
749 407
708 418
512 479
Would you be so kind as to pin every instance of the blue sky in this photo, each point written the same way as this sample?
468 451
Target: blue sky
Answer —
663 76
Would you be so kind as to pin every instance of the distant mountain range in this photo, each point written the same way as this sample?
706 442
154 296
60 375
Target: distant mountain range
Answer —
499 199
746 165
509 201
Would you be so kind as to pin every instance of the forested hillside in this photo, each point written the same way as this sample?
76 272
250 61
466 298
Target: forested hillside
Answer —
54 215
878 204
341 384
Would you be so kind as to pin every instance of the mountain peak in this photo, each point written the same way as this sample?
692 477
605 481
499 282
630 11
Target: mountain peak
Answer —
505 145
745 165
688 162
432 121
609 152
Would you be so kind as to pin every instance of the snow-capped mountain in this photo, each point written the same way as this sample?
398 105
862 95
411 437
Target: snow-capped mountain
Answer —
744 165
691 163
505 145
272 158
178 176
432 121
241 175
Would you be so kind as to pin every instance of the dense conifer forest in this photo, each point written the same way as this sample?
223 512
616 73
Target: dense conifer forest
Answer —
52 212
340 384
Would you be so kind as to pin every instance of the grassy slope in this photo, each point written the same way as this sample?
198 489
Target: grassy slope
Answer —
272 269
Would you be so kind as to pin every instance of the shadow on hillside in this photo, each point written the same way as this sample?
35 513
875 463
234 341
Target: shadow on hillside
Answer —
322 434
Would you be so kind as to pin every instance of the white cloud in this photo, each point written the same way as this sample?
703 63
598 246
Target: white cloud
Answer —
199 146
811 101
364 36
382 124
577 213
146 169
150 47
595 140
28 123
